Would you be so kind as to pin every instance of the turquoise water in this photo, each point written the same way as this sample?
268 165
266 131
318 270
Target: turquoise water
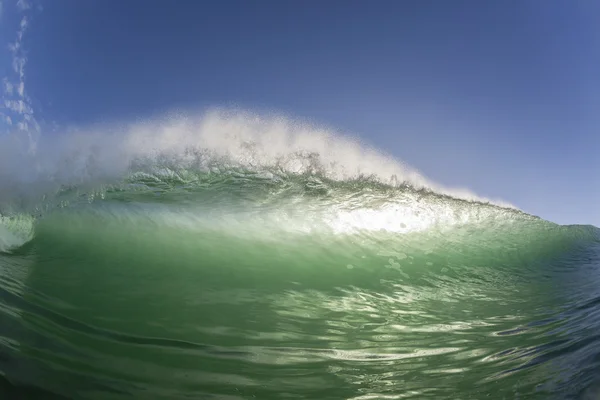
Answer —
175 280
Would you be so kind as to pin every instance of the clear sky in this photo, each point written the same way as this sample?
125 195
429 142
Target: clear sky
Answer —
502 97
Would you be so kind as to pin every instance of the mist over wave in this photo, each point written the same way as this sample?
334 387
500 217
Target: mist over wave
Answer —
213 140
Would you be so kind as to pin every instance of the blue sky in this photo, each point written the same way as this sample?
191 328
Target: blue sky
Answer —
500 97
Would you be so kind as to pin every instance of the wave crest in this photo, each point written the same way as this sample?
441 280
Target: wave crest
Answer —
213 141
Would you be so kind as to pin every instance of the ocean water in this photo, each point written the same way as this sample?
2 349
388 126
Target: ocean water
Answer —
234 256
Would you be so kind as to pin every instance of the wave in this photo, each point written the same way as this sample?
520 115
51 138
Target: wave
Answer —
240 173
219 154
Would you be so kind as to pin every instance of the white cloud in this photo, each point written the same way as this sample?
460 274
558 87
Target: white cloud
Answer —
23 5
8 86
18 65
18 106
19 60
15 97
18 111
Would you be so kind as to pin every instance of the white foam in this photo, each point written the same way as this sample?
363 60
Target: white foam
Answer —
15 232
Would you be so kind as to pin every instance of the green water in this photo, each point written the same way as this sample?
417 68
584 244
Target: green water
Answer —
238 285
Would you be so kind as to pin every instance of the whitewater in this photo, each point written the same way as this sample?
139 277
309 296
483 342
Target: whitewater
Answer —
234 255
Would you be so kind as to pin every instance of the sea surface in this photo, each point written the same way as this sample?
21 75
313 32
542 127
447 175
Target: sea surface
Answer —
233 258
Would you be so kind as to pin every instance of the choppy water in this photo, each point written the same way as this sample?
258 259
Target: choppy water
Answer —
232 269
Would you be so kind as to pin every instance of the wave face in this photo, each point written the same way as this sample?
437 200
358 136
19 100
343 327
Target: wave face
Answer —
235 257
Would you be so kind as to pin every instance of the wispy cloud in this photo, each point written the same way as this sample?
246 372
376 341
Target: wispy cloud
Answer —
18 106
8 86
23 5
18 111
